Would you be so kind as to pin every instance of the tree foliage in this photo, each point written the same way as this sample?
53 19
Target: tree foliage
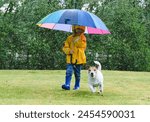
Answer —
23 45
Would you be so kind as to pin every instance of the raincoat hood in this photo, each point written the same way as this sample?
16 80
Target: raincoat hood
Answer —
75 27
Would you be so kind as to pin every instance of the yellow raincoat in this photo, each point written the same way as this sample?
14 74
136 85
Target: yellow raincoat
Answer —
78 45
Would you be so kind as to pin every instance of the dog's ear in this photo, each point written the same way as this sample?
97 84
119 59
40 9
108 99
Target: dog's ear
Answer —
96 66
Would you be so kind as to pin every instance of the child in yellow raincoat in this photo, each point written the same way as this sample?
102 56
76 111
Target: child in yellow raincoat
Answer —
74 48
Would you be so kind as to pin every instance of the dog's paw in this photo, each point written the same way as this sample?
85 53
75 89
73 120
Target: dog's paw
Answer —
100 92
93 92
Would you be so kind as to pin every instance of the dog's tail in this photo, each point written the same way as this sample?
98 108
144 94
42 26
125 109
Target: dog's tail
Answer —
99 67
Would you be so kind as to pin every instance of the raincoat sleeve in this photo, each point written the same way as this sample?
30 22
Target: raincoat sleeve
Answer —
66 46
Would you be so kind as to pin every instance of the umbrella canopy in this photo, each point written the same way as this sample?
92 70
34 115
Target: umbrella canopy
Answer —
64 19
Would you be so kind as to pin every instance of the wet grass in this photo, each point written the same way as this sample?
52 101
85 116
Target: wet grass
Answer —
43 87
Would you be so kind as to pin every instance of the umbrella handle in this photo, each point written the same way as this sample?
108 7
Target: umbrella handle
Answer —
71 58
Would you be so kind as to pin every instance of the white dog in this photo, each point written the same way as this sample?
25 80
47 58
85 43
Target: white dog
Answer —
95 77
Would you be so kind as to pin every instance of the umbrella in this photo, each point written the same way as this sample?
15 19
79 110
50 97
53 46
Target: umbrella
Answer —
64 19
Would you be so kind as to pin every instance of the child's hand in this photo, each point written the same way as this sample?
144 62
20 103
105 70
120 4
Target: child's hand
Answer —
71 51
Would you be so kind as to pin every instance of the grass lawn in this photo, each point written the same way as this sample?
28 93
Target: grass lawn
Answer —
43 87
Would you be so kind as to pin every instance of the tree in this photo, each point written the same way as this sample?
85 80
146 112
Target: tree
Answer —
128 41
23 45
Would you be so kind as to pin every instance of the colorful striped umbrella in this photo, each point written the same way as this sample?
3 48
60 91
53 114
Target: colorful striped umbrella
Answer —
64 19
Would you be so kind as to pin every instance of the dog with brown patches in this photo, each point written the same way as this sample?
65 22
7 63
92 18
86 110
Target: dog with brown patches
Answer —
95 77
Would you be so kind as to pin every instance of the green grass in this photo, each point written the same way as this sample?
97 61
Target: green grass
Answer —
43 87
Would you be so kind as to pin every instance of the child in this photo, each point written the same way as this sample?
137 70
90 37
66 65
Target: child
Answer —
74 48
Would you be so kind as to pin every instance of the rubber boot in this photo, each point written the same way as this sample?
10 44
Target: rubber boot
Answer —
77 84
66 86
77 70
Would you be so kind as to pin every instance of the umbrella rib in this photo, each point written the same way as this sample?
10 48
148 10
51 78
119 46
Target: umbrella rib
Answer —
101 31
87 30
70 28
54 25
